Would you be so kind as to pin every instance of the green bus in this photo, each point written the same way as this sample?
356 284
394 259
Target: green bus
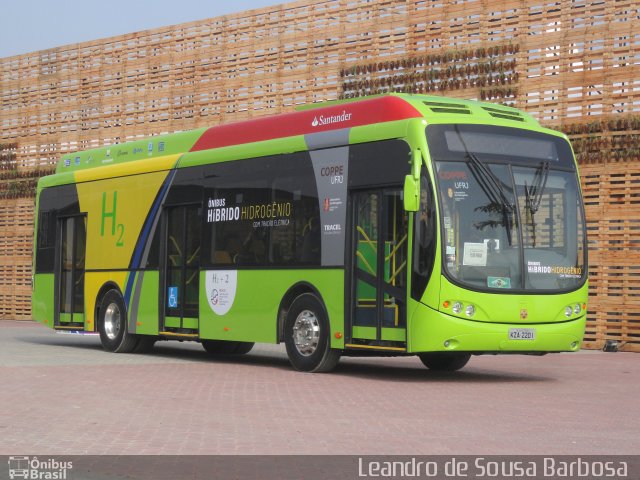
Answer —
386 225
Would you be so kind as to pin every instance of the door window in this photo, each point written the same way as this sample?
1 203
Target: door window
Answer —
380 251
182 261
72 267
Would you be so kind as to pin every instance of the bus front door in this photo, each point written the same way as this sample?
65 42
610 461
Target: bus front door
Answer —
70 267
181 268
379 275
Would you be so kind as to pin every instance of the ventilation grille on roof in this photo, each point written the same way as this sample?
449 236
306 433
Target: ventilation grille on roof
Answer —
442 107
506 114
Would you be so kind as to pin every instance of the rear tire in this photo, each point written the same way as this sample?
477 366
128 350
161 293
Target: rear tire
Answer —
112 324
226 347
444 362
307 336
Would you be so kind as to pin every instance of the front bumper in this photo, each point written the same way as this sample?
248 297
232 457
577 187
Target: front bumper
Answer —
434 331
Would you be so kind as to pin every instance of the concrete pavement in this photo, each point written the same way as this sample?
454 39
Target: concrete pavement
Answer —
65 395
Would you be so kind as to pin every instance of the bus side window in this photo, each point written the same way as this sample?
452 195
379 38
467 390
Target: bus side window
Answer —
297 242
45 250
424 240
311 242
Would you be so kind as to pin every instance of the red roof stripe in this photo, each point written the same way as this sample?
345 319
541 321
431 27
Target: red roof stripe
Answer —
334 117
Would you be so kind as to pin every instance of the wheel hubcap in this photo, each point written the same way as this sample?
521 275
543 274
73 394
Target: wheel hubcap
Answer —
112 321
306 333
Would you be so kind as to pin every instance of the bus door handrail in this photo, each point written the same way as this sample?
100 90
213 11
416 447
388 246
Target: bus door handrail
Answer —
371 243
366 262
395 249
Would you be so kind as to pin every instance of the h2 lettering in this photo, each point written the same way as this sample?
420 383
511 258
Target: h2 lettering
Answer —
116 228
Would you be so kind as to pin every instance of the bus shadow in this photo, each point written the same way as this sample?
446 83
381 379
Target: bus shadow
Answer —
196 353
191 352
407 373
73 341
348 367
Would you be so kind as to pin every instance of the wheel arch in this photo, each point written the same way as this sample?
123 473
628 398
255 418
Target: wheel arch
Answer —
292 293
110 285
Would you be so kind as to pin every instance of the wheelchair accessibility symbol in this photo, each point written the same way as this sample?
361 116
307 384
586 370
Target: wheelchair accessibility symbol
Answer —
172 300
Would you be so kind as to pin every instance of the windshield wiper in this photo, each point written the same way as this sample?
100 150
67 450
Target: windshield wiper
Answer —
491 186
534 193
492 182
494 190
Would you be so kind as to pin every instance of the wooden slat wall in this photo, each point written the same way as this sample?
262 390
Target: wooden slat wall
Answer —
612 203
16 244
564 61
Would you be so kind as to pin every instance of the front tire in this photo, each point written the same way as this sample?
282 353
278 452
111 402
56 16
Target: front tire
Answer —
112 324
307 336
444 362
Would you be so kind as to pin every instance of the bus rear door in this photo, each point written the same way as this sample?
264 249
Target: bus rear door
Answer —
181 270
69 272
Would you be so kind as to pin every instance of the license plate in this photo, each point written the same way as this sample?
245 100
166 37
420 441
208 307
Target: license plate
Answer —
522 334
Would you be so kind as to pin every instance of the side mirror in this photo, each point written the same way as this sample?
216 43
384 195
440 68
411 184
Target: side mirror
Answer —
412 184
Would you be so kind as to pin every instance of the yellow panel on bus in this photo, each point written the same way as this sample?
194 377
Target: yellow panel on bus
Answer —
116 211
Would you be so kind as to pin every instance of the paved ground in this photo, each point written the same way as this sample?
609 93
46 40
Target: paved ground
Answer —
62 394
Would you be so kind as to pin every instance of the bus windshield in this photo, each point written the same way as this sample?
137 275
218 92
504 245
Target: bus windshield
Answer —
510 208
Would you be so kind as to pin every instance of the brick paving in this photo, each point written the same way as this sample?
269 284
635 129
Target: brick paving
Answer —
62 394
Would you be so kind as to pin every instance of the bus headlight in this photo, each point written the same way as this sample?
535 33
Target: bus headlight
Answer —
577 309
457 307
470 310
568 311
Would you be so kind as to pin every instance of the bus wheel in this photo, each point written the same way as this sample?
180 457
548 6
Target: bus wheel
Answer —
112 324
225 347
444 362
306 336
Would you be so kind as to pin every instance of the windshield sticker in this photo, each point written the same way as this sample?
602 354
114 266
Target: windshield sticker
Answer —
498 282
221 289
561 271
475 254
447 175
493 244
451 256
458 194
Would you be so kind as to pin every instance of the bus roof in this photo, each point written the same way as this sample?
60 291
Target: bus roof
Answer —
308 119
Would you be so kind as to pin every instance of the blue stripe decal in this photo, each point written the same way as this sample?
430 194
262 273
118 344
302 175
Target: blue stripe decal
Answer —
145 235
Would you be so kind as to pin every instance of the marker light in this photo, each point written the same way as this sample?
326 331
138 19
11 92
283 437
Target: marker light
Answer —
568 311
576 309
584 306
457 307
446 304
470 310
